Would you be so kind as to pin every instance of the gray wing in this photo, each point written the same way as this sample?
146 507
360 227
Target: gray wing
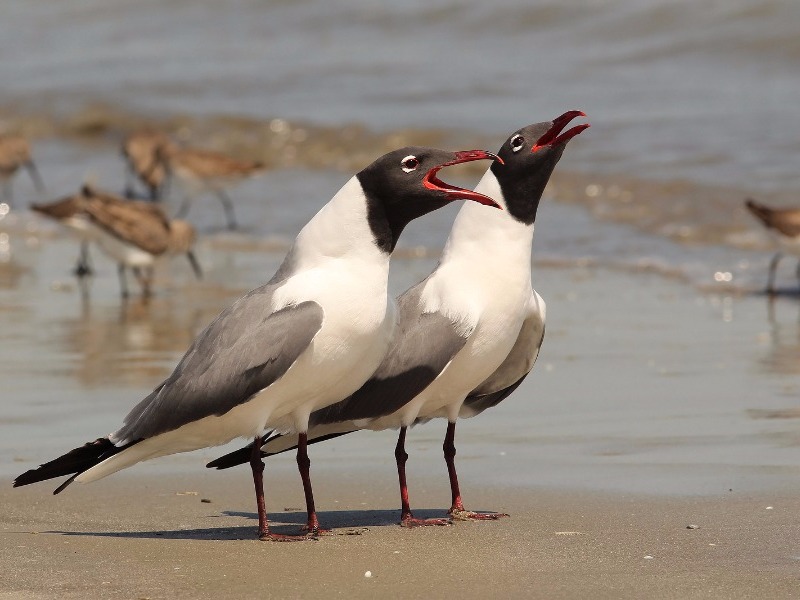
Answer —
244 350
424 344
519 362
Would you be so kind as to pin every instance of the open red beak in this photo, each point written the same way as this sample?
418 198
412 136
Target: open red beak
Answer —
432 182
552 137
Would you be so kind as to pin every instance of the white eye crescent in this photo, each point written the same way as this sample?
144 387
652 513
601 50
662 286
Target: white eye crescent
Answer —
517 142
409 163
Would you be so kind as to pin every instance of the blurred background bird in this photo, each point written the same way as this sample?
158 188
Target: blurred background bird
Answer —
15 153
157 161
783 225
140 151
134 233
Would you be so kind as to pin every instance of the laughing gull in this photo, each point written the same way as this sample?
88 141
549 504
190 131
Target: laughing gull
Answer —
134 233
470 332
308 338
15 152
784 226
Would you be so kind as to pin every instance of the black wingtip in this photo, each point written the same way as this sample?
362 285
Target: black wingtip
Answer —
242 455
72 463
232 459
63 486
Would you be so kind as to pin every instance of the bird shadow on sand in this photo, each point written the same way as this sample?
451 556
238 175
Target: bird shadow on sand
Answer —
341 522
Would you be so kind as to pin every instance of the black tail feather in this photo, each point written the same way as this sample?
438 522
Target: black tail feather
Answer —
72 463
242 455
237 457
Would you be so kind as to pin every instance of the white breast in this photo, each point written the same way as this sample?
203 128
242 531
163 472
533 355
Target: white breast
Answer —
121 251
336 264
484 283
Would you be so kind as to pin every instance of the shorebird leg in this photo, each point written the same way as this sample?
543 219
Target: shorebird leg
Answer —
144 275
406 518
123 281
312 528
148 277
8 196
159 192
130 189
183 209
773 265
264 534
198 271
457 512
153 190
35 177
227 205
83 268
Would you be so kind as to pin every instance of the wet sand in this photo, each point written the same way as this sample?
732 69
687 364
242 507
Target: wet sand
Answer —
155 537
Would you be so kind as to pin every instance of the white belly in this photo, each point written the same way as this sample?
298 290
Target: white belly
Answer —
356 329
330 370
485 350
120 251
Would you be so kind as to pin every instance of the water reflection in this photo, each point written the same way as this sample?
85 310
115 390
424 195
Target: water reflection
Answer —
784 337
10 273
135 344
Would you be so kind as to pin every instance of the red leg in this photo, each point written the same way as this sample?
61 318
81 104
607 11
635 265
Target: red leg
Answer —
406 518
264 533
457 511
258 481
304 466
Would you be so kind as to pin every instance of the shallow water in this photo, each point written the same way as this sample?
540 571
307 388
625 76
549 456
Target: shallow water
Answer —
645 382
664 368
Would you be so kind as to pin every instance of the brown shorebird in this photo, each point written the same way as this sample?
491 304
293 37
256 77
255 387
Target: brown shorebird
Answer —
783 224
134 233
141 150
204 170
15 152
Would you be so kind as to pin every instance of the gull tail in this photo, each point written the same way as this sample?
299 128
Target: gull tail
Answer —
72 463
275 443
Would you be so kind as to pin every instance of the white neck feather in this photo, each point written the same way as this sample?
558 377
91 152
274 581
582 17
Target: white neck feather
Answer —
485 236
339 230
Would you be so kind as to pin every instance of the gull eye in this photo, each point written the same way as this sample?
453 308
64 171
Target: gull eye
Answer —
517 142
409 163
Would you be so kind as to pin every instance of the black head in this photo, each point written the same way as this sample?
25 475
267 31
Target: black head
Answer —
403 185
529 156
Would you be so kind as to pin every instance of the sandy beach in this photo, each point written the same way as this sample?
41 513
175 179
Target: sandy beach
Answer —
193 537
